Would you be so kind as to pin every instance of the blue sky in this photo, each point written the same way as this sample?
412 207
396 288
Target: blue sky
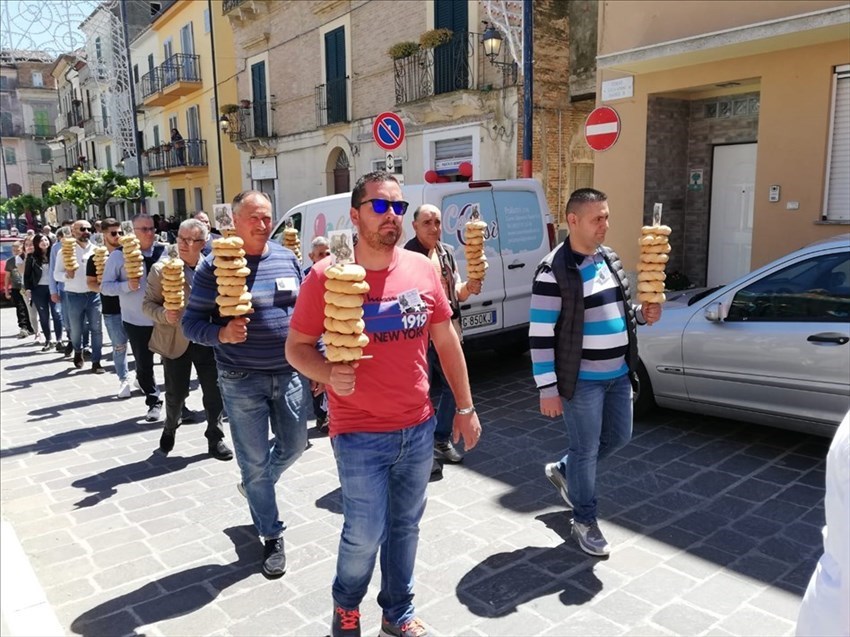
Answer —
51 25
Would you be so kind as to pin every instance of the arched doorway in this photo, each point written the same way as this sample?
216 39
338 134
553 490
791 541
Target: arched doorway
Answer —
15 190
339 172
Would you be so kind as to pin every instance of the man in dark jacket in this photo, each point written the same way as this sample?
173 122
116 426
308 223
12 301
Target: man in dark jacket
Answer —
584 355
428 227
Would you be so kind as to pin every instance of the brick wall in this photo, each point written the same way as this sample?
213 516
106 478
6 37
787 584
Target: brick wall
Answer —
558 124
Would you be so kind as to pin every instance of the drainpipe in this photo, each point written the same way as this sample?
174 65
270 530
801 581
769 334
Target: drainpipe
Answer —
528 93
131 86
215 99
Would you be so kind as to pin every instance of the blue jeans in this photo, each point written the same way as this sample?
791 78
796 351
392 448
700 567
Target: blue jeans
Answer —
599 422
253 400
118 338
445 409
383 478
84 307
47 310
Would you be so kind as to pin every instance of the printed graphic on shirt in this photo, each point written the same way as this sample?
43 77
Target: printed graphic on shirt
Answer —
394 320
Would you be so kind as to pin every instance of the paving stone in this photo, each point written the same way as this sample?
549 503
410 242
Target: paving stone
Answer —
751 621
682 619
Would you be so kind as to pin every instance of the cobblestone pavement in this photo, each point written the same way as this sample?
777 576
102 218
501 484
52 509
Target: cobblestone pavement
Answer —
715 524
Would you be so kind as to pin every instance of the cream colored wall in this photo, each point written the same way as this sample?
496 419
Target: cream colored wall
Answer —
628 24
169 25
793 130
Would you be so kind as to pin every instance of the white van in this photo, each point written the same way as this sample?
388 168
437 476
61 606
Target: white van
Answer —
520 234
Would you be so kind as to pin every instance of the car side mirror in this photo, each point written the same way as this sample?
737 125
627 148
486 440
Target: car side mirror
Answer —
715 312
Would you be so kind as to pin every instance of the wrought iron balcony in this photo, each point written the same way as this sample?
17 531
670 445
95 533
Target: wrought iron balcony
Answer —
180 67
254 122
75 117
187 155
10 130
332 102
43 130
151 84
458 64
97 126
229 5
179 75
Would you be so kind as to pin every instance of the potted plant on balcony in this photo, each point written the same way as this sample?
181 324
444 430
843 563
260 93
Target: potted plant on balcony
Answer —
401 50
229 109
435 37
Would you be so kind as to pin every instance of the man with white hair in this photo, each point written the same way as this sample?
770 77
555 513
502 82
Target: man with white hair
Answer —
178 353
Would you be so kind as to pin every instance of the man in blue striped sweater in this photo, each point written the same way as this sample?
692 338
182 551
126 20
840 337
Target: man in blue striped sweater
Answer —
584 355
259 387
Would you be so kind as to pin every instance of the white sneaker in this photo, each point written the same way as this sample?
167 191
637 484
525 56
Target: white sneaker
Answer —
125 390
136 384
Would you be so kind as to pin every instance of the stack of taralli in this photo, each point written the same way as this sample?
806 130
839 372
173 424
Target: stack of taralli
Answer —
231 271
69 255
99 258
291 241
344 289
133 260
654 251
476 262
173 282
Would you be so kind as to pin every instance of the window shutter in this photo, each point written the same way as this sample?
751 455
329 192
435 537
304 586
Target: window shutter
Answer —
838 184
451 153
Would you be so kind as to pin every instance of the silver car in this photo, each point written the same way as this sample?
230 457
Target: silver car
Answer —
772 348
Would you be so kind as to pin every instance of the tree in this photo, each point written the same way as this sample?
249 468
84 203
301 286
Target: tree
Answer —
129 190
85 188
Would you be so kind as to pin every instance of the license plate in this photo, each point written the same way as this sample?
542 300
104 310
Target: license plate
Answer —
478 320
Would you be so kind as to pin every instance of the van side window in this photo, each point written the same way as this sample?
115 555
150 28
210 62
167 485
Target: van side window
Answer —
520 222
456 210
277 236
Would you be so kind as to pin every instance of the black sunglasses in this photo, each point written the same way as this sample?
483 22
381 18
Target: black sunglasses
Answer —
380 206
115 233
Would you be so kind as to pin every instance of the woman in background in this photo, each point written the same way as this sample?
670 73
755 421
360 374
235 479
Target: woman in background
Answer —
36 274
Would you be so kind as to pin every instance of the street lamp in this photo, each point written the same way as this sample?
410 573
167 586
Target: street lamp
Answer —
491 39
224 124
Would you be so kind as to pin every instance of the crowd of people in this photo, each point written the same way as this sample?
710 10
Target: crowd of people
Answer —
262 371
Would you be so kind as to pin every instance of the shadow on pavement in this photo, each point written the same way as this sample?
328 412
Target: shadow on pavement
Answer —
29 383
173 595
499 584
331 501
105 484
743 497
73 439
54 411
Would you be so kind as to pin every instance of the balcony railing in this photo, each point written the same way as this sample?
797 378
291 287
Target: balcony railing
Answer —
456 65
229 5
150 84
176 156
180 67
10 130
332 102
97 126
75 118
42 130
253 122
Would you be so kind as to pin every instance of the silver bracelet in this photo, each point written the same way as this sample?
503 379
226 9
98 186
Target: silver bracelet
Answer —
465 411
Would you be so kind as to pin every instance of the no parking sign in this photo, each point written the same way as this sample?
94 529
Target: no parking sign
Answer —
388 131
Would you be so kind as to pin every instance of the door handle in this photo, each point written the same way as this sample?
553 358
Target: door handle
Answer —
829 337
514 266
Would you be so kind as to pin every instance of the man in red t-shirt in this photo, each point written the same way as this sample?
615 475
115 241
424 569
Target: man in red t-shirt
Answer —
383 421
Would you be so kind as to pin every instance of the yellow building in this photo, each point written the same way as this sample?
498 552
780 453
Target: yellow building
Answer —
184 71
736 117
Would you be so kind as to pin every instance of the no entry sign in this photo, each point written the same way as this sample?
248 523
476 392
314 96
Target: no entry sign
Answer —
388 131
602 128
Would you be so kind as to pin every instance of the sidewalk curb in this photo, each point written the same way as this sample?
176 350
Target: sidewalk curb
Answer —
24 608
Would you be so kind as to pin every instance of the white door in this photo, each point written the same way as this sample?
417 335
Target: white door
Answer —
730 238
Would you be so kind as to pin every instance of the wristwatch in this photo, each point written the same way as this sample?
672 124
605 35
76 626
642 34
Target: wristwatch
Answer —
465 411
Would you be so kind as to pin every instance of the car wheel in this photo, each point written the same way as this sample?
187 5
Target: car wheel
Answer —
645 400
